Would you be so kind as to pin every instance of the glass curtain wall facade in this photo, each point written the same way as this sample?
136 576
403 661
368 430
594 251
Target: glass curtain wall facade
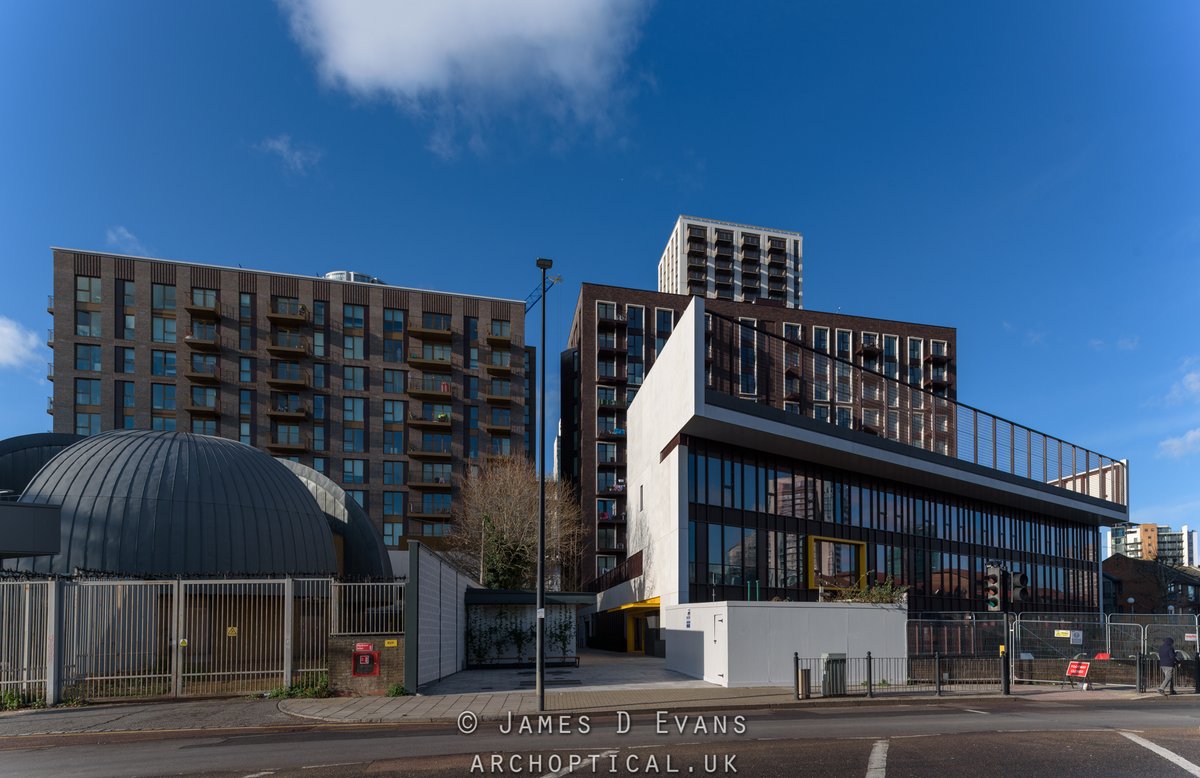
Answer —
763 527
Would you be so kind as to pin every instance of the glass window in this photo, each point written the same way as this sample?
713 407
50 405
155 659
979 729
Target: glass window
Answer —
163 297
354 440
318 344
636 316
664 322
320 313
359 496
501 328
393 532
87 324
87 357
393 411
162 330
87 391
125 394
501 417
393 473
127 326
246 433
245 402
352 471
435 321
245 306
393 350
354 379
204 426
125 359
393 503
393 441
393 322
245 369
206 298
320 375
162 397
319 441
204 396
353 347
87 289
353 317
162 363
162 422
393 381
320 405
353 409
321 465
87 424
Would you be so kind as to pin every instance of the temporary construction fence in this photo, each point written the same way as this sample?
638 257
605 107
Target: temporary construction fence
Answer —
958 633
836 675
109 639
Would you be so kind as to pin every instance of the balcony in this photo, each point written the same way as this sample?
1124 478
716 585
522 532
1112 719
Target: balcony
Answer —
429 451
435 421
287 344
935 383
287 312
49 371
204 311
697 233
203 341
611 433
288 411
290 444
609 403
498 399
619 378
50 405
697 263
437 484
750 241
432 512
432 332
501 336
614 516
202 374
50 304
616 460
495 428
431 387
296 378
609 317
697 288
697 247
724 237
776 270
429 362
776 246
611 489
609 346
724 251
500 368
937 359
50 337
202 410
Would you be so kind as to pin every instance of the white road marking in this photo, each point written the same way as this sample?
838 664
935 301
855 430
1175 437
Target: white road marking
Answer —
980 712
331 764
259 775
1170 756
586 762
877 763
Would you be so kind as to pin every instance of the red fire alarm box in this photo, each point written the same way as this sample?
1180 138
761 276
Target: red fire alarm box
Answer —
366 663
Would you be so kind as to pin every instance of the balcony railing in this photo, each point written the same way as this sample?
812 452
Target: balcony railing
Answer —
50 303
898 411
626 571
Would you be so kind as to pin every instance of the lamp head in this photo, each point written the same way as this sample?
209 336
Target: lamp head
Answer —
545 264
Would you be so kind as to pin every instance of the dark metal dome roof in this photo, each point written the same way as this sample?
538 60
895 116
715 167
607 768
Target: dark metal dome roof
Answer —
172 503
365 554
21 457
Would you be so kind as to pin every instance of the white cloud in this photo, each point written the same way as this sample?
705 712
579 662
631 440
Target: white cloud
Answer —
1186 388
1187 443
1128 343
19 347
462 62
124 241
1096 344
297 158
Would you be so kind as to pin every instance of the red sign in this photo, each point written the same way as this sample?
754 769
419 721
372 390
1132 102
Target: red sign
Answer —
364 646
1078 669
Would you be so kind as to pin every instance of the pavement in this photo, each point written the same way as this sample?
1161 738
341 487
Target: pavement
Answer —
604 683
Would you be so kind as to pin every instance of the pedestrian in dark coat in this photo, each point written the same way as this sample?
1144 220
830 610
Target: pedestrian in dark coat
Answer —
1166 660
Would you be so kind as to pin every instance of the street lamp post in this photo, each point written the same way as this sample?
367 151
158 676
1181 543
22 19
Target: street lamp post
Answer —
1130 600
544 264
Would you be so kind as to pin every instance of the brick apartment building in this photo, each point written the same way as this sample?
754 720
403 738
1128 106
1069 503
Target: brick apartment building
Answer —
617 332
391 392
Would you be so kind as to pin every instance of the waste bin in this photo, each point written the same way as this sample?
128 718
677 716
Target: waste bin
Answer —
833 675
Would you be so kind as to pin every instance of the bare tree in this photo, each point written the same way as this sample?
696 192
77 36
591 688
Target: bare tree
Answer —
496 527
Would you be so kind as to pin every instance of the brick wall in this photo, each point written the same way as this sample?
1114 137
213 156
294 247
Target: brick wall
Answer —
340 655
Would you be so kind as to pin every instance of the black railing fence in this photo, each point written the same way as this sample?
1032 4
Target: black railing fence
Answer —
746 362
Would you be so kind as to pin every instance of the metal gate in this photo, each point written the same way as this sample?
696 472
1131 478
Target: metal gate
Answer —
233 637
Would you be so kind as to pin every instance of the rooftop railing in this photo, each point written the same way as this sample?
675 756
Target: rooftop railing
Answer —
751 364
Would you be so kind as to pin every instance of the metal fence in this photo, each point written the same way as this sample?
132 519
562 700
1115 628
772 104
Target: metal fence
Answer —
23 615
744 361
958 633
871 676
120 639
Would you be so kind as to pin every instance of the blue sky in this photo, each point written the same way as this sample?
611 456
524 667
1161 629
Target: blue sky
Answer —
1026 172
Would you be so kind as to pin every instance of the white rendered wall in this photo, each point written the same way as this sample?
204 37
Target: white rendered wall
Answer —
761 637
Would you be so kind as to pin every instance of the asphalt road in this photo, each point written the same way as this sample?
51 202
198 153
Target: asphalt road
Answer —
984 738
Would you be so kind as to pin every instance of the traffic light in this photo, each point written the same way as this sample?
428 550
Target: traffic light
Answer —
992 584
1018 588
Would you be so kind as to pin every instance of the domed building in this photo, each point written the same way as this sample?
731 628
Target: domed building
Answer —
21 457
156 503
